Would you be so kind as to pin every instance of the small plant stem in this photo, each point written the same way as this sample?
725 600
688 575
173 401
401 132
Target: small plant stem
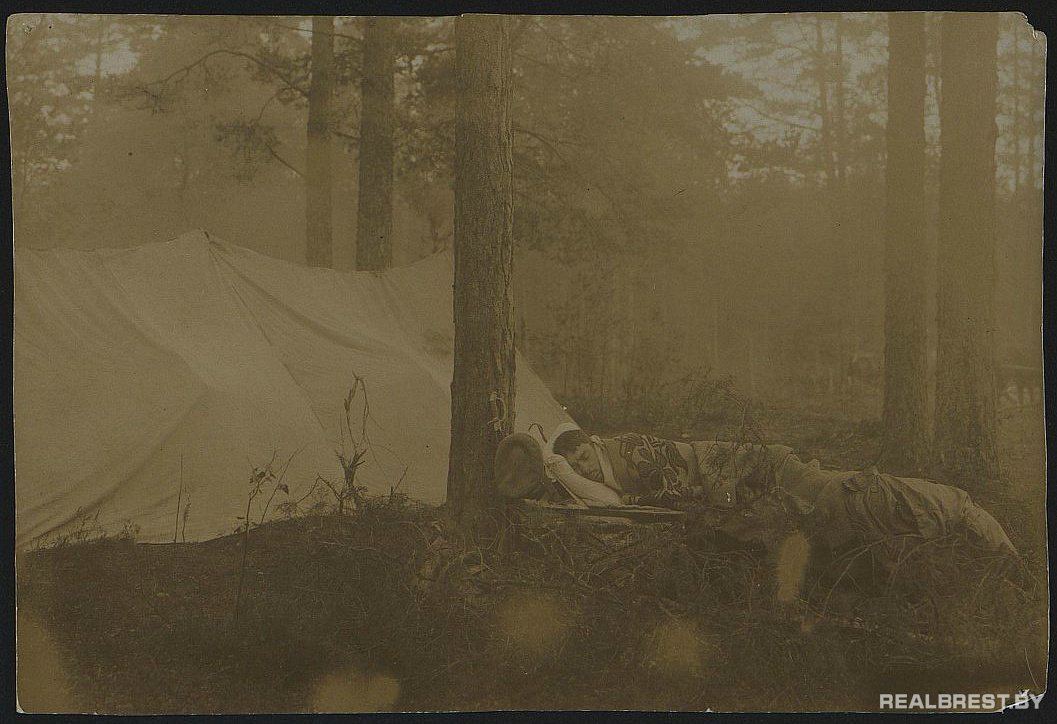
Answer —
245 551
179 500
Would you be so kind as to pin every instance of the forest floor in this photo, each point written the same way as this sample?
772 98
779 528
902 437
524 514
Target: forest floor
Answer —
381 610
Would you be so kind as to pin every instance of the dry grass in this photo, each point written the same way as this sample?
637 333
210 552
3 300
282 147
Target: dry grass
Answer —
384 609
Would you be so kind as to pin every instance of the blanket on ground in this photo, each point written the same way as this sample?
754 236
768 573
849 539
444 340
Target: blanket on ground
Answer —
865 507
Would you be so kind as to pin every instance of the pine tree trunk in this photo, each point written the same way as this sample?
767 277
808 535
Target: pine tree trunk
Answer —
483 293
751 365
318 213
374 221
832 187
185 167
97 75
822 80
905 435
965 394
1015 126
1036 93
844 250
715 331
1034 117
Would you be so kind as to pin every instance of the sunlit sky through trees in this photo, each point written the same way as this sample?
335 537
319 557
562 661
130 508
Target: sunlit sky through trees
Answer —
707 158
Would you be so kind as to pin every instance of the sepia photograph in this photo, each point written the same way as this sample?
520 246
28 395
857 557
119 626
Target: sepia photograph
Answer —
499 362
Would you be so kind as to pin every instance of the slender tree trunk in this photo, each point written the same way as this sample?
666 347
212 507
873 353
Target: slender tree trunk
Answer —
905 435
751 366
97 75
965 394
1034 116
318 207
844 250
98 46
628 329
715 330
825 119
185 167
1035 105
1016 110
831 187
483 376
839 120
374 221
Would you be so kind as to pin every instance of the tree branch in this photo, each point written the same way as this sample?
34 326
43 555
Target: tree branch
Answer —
565 47
281 160
312 32
777 119
435 50
545 139
186 70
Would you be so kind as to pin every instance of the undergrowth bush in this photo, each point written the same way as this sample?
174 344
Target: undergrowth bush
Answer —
667 407
574 614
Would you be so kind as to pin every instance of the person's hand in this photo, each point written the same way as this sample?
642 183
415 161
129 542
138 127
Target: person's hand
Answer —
557 465
589 491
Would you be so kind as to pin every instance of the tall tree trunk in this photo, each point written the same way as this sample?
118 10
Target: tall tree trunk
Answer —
751 361
629 335
832 186
905 436
965 394
714 346
97 75
185 167
1016 111
319 249
483 375
1036 93
844 250
825 120
374 221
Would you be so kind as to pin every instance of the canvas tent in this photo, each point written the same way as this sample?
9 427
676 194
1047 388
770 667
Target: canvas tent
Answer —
132 363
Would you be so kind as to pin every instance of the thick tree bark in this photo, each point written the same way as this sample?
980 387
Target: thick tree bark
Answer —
483 293
965 394
374 221
319 249
905 436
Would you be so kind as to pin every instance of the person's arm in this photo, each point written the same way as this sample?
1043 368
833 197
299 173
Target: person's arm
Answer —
592 493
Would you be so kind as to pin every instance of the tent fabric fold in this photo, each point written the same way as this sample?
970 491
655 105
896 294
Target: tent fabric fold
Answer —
132 364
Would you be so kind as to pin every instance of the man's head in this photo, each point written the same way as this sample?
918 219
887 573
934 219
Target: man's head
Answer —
576 447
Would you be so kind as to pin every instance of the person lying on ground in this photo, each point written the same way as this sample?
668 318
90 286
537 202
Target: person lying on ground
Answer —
846 506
